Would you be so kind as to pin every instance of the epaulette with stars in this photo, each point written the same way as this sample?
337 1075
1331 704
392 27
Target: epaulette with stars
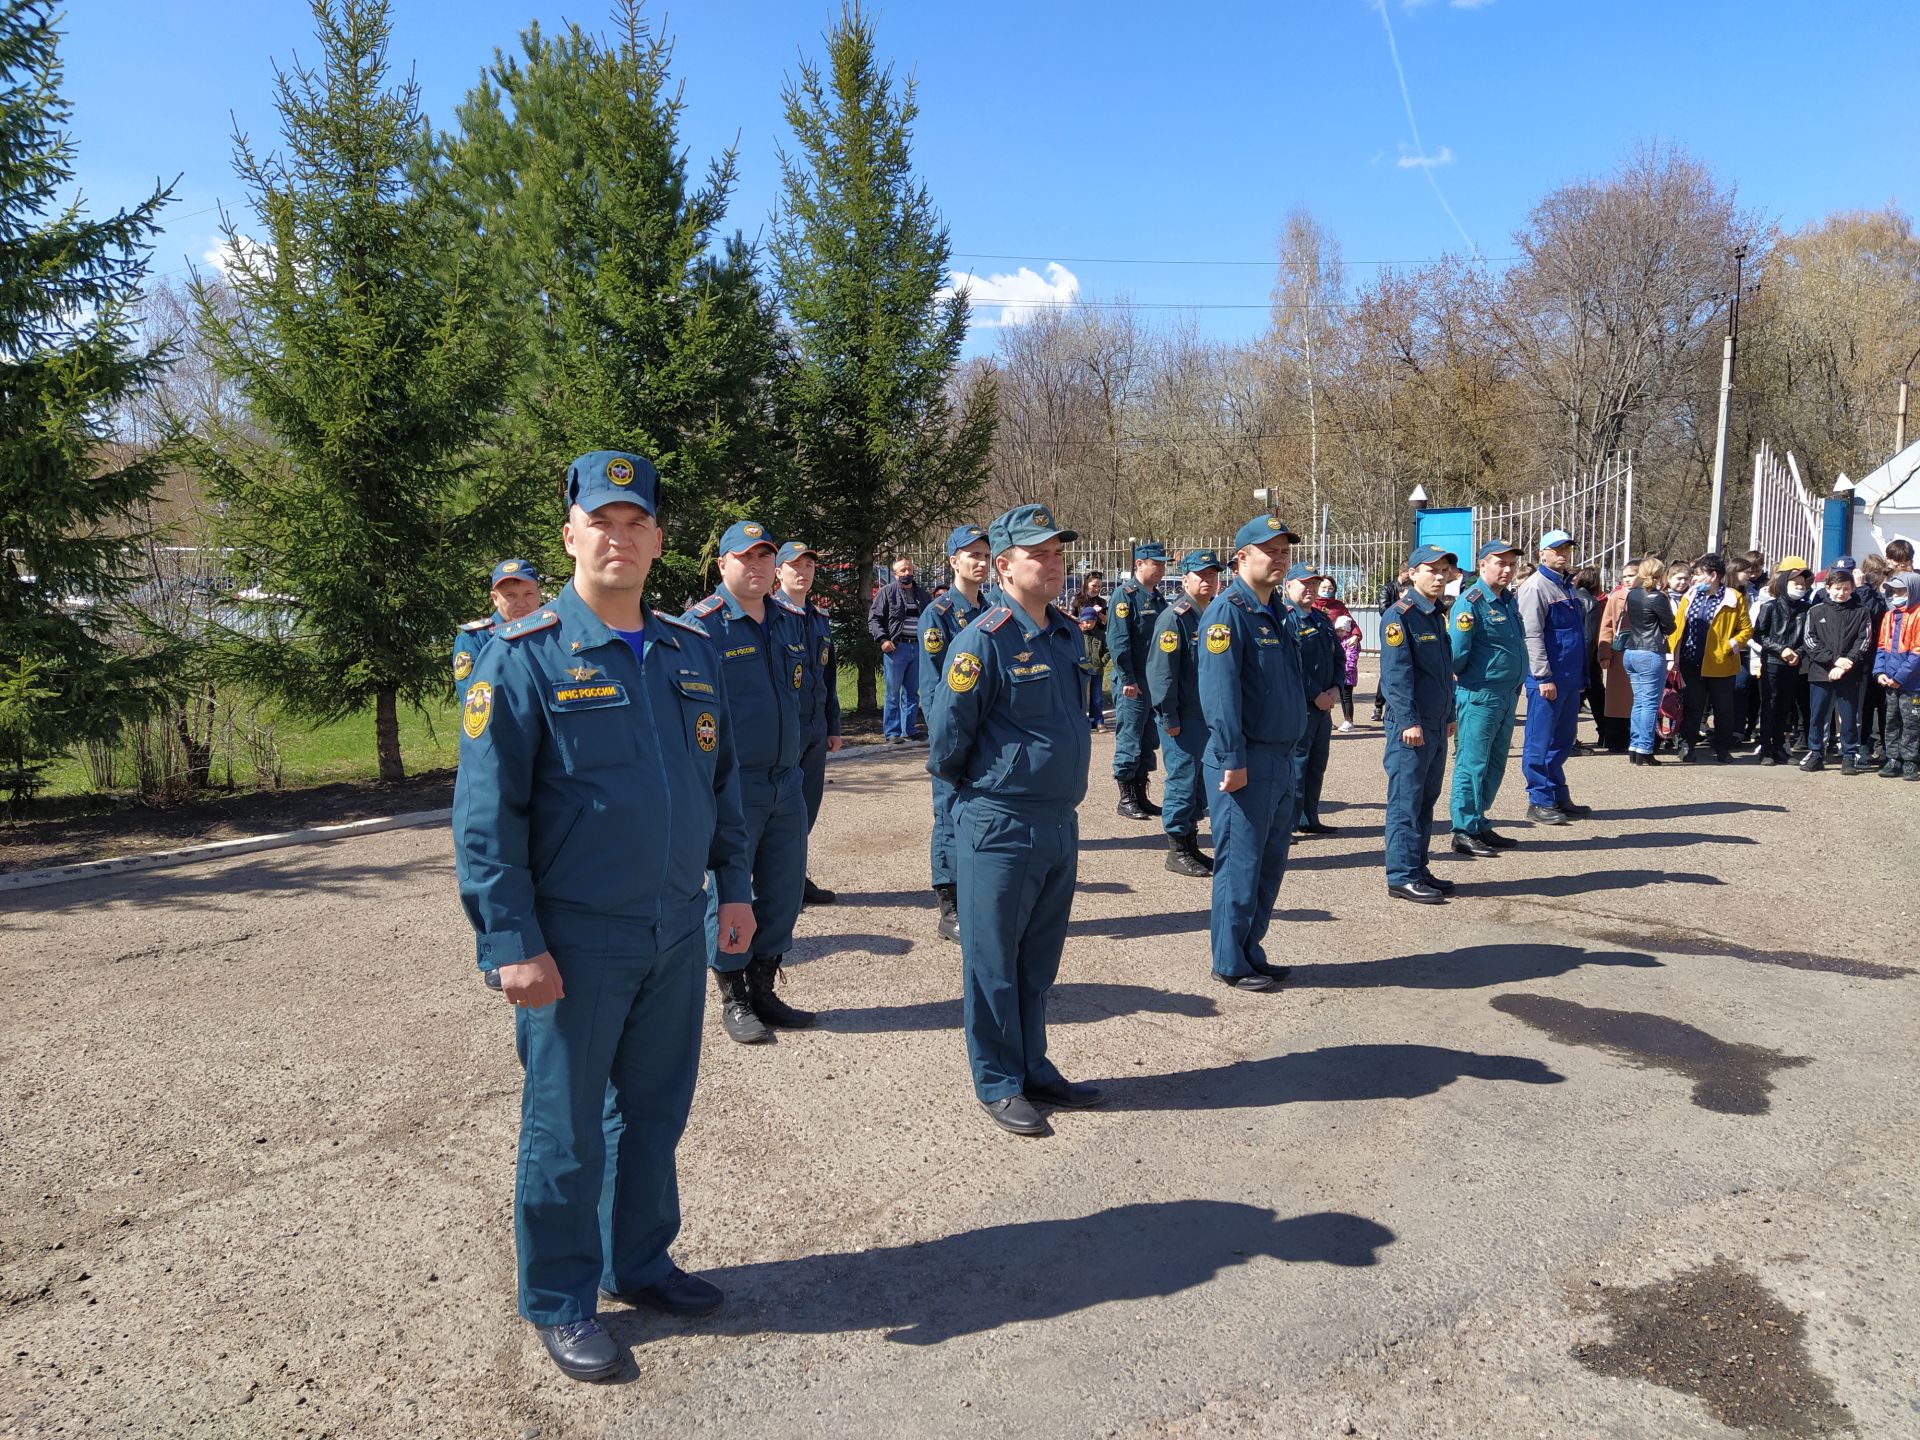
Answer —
686 625
780 599
995 618
485 622
527 624
709 605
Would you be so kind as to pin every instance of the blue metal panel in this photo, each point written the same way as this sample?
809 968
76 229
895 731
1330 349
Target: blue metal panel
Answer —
1449 529
1836 528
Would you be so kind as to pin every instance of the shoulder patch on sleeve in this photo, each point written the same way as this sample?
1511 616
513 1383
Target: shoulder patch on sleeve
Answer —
1465 620
995 618
527 624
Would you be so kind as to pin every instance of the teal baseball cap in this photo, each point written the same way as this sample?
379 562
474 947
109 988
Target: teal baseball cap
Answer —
1261 529
1430 555
1303 571
745 535
602 477
1554 539
1150 550
962 536
1194 561
793 550
1495 547
513 570
1026 525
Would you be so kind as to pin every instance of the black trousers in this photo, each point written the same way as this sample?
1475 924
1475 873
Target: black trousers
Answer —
1699 692
1785 714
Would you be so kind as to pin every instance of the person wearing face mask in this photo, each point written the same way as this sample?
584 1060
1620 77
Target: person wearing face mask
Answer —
1326 599
1896 673
1709 640
1839 653
1781 630
1556 674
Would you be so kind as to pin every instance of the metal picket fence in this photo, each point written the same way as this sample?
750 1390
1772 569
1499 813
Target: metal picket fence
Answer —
1597 510
1786 519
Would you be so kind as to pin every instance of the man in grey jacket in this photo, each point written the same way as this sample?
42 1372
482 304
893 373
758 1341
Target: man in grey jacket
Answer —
1556 675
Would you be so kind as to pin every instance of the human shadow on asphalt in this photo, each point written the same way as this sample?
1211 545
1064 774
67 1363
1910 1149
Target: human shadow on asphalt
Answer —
1468 968
1686 812
1560 886
321 869
819 947
1067 1004
1334 1072
1027 1270
1180 922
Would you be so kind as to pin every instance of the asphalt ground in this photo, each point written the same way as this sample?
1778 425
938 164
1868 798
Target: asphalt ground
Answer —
1621 1142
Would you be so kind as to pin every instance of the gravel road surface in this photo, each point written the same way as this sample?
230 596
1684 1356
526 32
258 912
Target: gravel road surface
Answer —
1622 1143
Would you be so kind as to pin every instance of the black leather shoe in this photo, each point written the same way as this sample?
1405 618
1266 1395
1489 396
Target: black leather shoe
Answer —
1131 806
1255 982
1545 815
1472 845
949 926
581 1349
736 1009
812 894
1066 1095
1314 827
763 973
1016 1115
1445 887
1418 891
1497 840
1275 973
1573 811
675 1293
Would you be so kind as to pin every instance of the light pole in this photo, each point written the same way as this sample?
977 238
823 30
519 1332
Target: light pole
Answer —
1726 402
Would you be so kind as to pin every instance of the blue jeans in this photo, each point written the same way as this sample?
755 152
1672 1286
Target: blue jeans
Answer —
900 715
1835 697
1647 673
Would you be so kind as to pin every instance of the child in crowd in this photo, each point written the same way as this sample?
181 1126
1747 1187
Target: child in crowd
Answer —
1349 636
1780 629
1896 673
1838 654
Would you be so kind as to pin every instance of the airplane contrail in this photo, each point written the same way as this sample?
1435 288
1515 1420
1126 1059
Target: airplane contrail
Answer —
1420 149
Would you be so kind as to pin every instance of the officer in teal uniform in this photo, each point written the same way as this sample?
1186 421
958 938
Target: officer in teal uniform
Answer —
1173 685
1133 619
597 789
763 652
515 591
1006 730
950 612
1416 675
795 568
1489 667
1322 663
1256 708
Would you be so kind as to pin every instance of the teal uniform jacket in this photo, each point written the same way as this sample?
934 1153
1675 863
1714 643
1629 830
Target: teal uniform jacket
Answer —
1488 641
467 648
1173 670
820 692
1006 725
594 793
1322 663
1250 684
1133 619
945 617
766 672
1416 666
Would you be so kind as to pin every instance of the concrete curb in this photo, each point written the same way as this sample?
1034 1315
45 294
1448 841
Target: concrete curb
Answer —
248 845
216 850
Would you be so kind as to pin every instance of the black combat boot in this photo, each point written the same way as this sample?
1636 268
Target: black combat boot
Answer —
949 913
1140 794
763 971
1132 804
1184 857
736 1009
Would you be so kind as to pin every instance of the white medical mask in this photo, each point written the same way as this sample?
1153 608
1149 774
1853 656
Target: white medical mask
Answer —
1798 592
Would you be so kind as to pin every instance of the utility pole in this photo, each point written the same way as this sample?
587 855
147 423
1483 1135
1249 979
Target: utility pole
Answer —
1726 401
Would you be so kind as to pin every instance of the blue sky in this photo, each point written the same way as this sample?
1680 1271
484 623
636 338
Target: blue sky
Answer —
1079 134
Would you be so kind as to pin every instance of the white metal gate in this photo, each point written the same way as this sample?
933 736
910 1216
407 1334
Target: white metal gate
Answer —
1596 510
1786 519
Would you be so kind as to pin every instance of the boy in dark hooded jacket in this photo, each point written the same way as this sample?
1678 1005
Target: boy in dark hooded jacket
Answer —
1838 651
1896 671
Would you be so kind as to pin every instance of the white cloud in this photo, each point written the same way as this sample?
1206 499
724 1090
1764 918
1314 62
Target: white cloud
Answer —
226 253
1018 295
1469 4
1425 162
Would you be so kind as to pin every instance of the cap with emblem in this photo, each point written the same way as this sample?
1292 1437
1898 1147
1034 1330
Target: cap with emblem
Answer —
514 570
1554 539
1302 571
1495 547
963 536
1261 529
1151 550
1846 562
1026 525
1197 560
745 535
607 476
793 550
1431 555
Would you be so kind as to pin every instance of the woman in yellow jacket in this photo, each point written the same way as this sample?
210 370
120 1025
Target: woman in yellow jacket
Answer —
1709 640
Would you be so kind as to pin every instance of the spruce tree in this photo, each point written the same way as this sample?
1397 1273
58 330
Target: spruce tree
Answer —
645 329
374 355
70 503
860 254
